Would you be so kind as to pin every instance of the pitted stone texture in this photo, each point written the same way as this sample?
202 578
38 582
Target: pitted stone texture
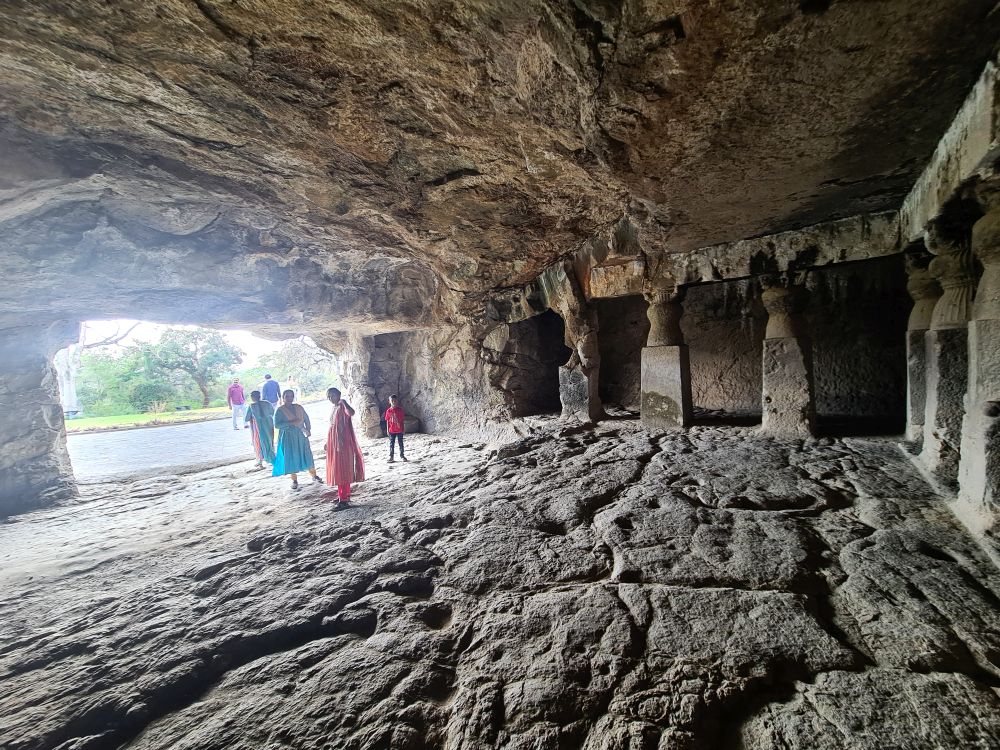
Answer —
35 467
947 380
979 464
578 588
666 387
916 384
900 709
787 397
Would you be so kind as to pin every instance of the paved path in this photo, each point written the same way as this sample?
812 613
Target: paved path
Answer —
105 455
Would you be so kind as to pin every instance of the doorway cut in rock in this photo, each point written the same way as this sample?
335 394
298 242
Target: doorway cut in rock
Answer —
537 351
623 330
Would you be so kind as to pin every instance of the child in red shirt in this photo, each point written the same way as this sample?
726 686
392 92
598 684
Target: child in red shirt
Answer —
394 419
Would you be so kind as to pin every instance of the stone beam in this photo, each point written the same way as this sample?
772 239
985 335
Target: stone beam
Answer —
968 150
855 238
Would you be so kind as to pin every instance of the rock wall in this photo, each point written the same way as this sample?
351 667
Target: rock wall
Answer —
856 315
448 379
622 335
35 468
723 325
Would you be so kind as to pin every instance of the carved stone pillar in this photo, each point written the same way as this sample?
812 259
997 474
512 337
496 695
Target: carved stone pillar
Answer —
787 403
947 357
979 470
925 291
665 380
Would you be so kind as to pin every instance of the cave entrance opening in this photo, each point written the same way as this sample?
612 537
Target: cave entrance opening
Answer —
623 328
123 376
539 350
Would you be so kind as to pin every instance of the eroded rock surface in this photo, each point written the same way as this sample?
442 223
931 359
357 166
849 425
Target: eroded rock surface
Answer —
582 587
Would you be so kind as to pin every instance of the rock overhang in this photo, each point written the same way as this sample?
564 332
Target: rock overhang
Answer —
351 157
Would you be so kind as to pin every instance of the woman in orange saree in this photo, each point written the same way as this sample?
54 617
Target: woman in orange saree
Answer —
344 463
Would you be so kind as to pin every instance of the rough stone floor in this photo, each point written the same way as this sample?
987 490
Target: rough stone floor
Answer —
583 588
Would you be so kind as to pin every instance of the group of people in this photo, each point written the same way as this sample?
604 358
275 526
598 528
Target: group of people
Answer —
292 454
270 391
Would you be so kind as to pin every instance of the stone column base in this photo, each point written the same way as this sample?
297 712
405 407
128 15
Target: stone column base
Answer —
578 394
787 399
979 464
947 379
666 387
916 385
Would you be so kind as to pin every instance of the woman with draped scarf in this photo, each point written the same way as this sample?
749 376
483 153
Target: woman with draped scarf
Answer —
344 463
260 417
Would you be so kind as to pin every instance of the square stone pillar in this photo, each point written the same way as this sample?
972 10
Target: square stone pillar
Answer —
665 374
666 387
924 291
979 462
787 405
578 393
947 358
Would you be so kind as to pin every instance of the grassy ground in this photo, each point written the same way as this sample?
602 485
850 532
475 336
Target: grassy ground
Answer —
139 420
126 421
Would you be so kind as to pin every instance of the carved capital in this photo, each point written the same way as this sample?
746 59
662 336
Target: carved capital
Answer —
784 302
986 246
923 289
664 314
954 271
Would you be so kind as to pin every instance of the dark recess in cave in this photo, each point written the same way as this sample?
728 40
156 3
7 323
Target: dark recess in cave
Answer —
540 351
623 329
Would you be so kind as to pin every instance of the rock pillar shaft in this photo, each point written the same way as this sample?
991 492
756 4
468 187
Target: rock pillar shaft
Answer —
665 375
947 361
35 469
787 406
979 463
924 291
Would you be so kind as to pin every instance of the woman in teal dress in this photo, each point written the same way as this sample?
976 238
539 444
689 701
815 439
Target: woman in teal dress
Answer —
293 454
260 417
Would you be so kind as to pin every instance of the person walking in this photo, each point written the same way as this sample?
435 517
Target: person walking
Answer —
294 453
270 391
395 418
344 462
260 417
236 402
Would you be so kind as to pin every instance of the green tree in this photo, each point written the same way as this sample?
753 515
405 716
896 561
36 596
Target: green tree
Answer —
313 368
120 382
204 355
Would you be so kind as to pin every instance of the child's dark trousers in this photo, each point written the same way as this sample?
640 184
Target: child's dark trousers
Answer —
393 437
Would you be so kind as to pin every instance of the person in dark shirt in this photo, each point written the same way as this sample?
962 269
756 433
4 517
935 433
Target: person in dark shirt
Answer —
270 391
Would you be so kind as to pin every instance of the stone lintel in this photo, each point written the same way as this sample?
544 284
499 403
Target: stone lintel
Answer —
855 238
665 387
968 149
618 279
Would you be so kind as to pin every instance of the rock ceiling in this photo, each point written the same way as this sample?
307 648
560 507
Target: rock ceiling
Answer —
299 162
